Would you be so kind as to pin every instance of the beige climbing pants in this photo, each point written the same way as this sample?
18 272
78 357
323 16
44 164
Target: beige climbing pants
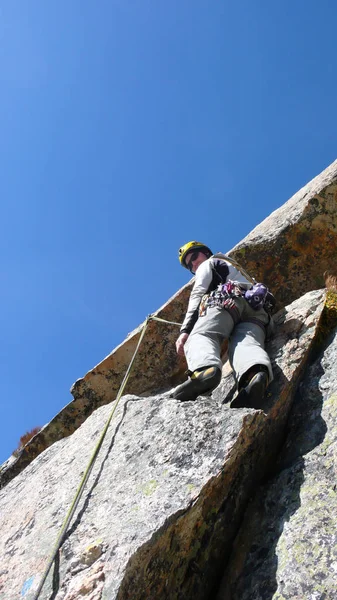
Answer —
246 339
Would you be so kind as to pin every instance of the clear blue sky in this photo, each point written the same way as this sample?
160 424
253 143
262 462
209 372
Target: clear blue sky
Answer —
127 129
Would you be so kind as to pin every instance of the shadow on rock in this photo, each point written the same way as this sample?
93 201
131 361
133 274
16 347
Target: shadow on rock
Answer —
252 572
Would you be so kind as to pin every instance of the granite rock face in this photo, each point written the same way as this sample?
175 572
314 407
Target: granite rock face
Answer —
290 251
166 496
293 247
287 545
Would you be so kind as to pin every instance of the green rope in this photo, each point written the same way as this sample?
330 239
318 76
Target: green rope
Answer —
235 263
94 455
153 318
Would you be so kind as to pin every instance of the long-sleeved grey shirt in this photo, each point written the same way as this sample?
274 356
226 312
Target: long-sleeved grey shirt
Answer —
208 276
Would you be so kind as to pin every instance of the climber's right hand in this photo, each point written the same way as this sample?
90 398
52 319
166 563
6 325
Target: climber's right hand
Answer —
180 343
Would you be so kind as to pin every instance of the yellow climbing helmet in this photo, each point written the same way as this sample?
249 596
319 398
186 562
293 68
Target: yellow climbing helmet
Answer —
190 246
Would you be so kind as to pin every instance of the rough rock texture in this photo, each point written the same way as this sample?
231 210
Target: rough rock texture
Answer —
166 495
293 247
287 546
290 251
100 385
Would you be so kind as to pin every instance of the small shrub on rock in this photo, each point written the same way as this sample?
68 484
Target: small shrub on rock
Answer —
25 438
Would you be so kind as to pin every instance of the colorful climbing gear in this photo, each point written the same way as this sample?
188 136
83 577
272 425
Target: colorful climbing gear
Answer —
260 297
222 297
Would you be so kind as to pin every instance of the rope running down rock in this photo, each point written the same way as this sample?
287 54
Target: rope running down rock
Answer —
94 455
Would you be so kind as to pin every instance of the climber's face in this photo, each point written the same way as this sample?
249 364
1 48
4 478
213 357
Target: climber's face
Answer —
194 259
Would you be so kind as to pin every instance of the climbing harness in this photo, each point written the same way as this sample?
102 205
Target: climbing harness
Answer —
94 455
220 296
257 295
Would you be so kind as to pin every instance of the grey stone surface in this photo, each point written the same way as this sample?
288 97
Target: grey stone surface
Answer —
150 470
287 545
166 495
293 247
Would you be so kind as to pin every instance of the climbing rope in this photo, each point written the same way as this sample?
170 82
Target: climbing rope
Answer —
235 263
93 457
152 318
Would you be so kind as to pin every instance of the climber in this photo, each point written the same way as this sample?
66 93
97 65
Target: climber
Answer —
223 305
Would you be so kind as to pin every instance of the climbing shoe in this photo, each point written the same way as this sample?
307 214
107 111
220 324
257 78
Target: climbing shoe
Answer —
252 395
200 382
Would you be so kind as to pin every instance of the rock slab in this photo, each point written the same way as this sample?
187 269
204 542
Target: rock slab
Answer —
287 545
166 496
